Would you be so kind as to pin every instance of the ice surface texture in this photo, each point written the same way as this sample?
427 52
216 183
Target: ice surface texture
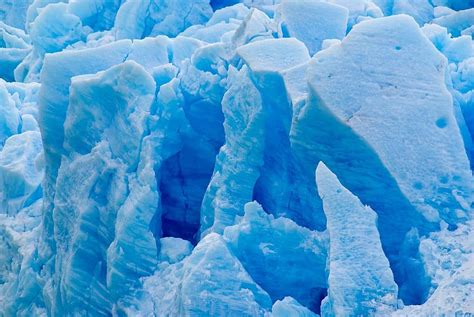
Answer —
236 158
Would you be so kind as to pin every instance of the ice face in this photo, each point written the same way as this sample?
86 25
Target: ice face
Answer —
415 177
157 157
210 281
120 178
9 115
257 240
14 47
21 171
398 189
14 12
360 283
138 19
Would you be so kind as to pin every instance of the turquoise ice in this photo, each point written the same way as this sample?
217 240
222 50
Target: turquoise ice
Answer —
158 157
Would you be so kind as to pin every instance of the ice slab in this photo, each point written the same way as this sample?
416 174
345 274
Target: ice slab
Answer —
312 22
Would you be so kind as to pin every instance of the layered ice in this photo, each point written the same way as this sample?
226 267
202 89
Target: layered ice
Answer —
210 281
158 158
120 188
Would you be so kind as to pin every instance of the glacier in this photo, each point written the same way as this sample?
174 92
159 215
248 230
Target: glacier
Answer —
236 158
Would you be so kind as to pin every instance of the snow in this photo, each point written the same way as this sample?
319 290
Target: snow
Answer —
453 296
174 250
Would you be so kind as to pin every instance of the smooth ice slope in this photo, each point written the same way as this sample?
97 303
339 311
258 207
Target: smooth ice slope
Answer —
267 56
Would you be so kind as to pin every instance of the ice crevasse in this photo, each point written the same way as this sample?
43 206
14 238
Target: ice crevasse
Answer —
236 158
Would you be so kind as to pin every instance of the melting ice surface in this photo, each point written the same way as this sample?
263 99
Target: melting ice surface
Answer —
236 158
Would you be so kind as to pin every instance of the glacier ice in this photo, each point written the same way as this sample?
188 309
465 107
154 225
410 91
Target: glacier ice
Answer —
406 193
453 296
360 10
288 306
141 18
14 47
360 283
210 281
458 22
257 240
448 258
236 157
240 158
14 12
10 116
312 22
119 190
21 171
421 10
